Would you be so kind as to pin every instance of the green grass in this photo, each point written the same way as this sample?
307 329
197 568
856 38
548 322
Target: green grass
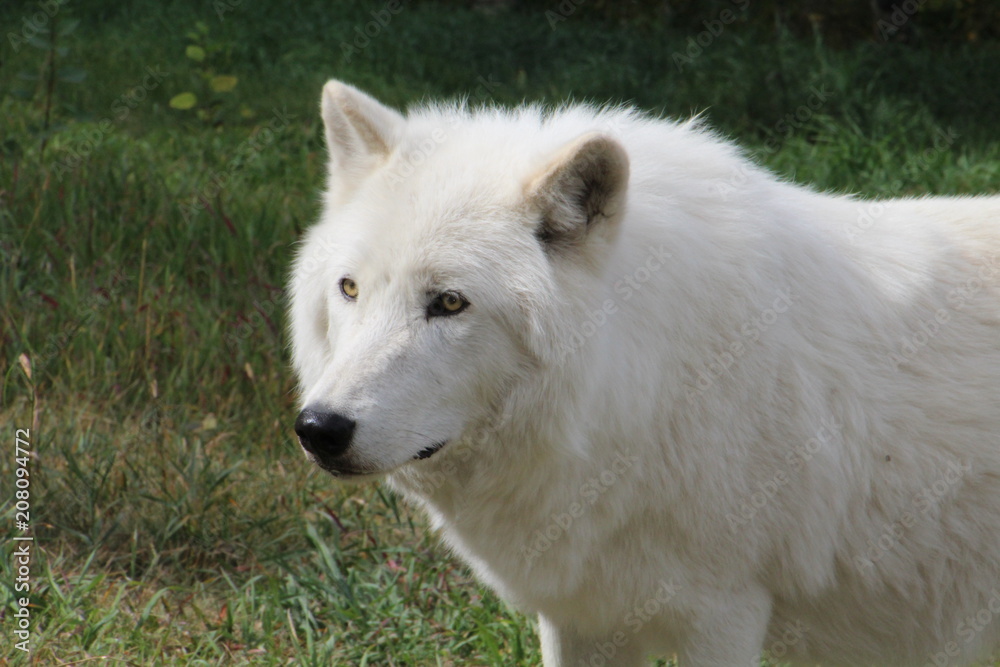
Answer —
176 521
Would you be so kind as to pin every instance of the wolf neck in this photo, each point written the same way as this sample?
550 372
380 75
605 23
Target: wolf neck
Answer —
490 496
502 463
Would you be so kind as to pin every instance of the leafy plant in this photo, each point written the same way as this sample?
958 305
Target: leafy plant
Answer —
206 56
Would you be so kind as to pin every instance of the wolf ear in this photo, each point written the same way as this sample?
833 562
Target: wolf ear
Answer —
360 133
583 186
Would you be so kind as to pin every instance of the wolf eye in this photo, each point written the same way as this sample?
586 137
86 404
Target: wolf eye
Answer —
446 303
349 288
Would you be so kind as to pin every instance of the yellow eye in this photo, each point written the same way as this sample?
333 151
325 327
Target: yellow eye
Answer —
446 303
451 302
349 288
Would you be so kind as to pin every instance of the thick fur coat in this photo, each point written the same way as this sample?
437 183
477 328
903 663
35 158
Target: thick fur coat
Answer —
655 395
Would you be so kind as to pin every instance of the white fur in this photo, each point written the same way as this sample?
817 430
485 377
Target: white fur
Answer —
729 415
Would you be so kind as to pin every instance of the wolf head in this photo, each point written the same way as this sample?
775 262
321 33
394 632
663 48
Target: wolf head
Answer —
453 251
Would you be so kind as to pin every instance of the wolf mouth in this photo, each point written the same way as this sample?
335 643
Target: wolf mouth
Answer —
428 452
340 469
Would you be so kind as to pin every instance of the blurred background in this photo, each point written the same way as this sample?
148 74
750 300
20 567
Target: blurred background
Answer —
158 162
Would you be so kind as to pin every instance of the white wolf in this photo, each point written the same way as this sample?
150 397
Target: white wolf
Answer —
654 395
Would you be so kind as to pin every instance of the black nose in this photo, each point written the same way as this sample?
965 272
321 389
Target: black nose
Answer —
324 434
